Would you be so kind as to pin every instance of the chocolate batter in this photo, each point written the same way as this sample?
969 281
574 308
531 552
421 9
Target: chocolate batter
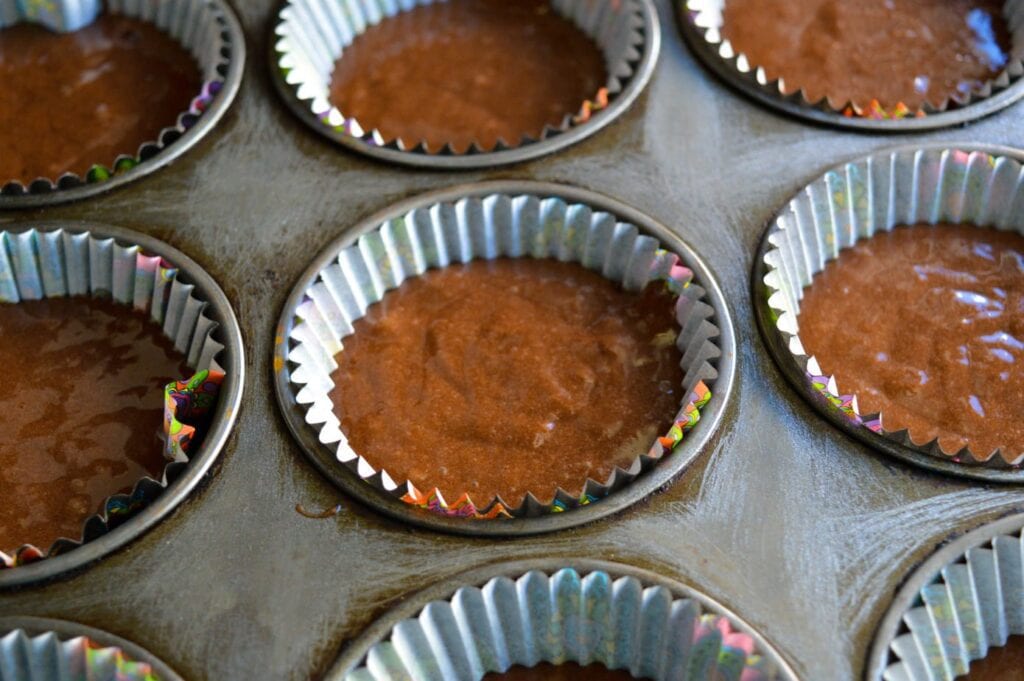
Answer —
1000 664
926 325
81 409
909 51
567 671
466 70
71 101
502 377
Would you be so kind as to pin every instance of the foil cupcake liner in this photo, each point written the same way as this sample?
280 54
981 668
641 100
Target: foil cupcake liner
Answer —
963 601
855 201
701 22
605 614
36 649
488 227
57 15
37 264
212 35
310 35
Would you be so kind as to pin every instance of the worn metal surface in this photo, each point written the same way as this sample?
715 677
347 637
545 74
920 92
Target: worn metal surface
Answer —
796 527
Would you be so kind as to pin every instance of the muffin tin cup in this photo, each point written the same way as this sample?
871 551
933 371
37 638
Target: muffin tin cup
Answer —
516 219
700 22
964 600
57 15
906 186
309 35
66 259
209 30
557 611
38 649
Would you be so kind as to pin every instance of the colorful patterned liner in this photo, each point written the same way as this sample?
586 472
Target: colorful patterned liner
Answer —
490 227
876 194
36 265
312 35
567 617
971 604
201 27
57 15
48 658
705 18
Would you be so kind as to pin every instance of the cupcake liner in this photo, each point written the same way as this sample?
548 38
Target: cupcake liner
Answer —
583 617
202 27
489 227
702 23
35 649
36 264
312 34
854 202
962 602
57 15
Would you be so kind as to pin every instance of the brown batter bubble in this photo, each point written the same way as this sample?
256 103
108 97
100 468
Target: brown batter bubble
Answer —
466 70
81 412
70 101
567 671
909 51
507 376
1000 664
926 325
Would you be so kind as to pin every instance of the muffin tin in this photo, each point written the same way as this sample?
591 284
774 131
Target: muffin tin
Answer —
798 527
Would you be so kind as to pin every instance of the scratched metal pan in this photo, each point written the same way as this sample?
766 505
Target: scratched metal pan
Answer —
641 63
938 160
201 462
543 591
693 17
174 141
661 474
17 660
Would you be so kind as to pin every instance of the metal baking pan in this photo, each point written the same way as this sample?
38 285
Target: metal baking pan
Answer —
799 528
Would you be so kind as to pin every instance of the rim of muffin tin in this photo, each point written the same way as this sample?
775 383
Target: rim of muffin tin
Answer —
666 472
222 422
708 55
65 630
409 607
797 377
485 159
168 154
879 656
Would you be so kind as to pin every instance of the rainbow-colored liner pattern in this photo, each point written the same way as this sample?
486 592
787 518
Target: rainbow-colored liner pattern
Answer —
860 199
491 227
48 658
36 265
57 15
197 25
306 50
705 17
589 618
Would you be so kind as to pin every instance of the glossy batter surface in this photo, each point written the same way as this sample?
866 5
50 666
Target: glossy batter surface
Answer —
507 376
1000 664
893 51
70 101
80 413
466 70
568 671
926 325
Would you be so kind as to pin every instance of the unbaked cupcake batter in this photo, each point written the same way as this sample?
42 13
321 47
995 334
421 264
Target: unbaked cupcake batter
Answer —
926 325
81 412
507 376
893 51
1000 664
468 70
70 101
567 671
